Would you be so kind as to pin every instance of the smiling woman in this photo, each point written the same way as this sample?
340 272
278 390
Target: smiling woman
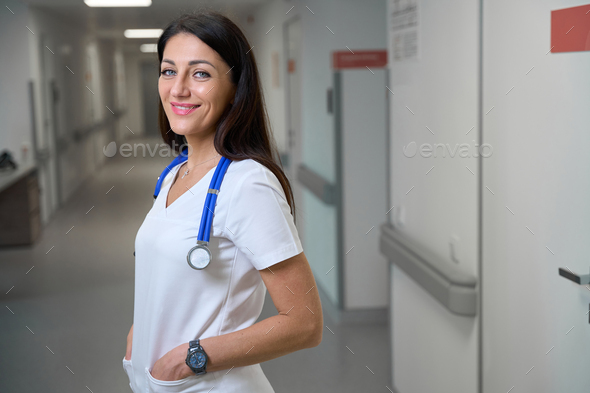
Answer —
194 329
202 87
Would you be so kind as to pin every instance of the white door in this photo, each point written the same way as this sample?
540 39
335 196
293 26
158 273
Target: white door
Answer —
46 134
536 193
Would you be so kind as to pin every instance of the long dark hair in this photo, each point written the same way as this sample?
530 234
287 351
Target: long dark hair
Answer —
243 131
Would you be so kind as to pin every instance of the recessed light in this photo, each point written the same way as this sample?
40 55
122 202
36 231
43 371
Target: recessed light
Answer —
148 48
118 3
143 33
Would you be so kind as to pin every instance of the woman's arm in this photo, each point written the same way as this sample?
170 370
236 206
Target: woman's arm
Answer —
298 325
129 343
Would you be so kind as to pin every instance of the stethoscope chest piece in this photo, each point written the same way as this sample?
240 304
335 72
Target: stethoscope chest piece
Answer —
199 256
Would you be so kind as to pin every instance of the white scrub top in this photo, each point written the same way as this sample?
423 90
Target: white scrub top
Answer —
253 228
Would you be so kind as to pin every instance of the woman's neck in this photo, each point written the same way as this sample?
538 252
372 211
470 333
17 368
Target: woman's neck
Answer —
201 150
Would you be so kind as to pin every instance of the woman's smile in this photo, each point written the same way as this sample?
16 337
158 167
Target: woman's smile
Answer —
183 109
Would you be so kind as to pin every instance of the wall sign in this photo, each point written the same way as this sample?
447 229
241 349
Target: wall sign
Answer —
404 25
570 29
359 59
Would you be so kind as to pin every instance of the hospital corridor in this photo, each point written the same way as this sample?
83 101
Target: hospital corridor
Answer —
294 196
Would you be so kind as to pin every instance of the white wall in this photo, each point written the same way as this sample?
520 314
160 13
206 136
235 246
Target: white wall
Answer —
434 350
269 18
16 130
539 170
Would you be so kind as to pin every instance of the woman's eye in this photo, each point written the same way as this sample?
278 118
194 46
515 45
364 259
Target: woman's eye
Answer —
202 73
198 74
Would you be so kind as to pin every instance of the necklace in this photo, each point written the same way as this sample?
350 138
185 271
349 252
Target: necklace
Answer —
186 172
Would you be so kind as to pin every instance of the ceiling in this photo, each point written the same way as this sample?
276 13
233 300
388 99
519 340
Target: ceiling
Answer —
111 22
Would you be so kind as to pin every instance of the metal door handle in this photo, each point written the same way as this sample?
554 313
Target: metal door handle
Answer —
567 273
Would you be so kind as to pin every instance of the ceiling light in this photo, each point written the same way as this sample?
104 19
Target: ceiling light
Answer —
118 3
143 33
148 48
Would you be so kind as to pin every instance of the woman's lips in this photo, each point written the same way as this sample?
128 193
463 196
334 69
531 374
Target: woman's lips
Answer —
183 112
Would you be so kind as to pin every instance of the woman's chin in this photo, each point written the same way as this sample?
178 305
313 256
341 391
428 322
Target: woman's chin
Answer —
180 129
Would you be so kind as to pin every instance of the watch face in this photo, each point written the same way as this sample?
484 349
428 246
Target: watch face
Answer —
197 359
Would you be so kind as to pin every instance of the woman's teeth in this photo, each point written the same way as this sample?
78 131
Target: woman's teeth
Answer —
185 107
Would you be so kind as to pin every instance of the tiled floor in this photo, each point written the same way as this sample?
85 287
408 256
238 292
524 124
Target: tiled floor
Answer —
64 322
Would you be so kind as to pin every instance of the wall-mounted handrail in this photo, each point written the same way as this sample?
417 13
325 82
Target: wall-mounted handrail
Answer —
455 289
315 183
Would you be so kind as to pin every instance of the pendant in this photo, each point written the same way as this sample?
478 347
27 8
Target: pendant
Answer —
185 173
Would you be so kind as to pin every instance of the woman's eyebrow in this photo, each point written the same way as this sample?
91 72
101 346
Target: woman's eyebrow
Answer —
190 63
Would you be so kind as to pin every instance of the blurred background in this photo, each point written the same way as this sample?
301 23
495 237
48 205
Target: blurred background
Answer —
435 148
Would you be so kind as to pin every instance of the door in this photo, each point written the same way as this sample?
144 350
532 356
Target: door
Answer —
46 134
292 46
149 84
536 332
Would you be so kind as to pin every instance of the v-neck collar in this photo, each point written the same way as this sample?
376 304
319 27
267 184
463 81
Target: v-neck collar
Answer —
189 191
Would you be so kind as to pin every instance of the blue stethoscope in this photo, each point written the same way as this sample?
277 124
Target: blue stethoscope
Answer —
199 256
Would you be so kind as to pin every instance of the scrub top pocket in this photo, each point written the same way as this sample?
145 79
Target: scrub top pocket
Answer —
192 384
128 367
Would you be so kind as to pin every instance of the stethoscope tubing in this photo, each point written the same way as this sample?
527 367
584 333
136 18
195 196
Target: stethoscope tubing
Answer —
210 201
204 215
208 198
212 198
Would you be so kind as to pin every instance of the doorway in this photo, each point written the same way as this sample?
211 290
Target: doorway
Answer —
149 85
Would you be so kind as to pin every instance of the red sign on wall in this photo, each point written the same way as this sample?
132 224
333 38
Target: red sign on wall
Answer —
359 59
570 29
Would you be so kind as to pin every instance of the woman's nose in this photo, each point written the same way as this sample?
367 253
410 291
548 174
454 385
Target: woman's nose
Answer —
180 87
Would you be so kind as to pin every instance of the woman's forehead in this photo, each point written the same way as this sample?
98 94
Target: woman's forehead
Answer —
183 48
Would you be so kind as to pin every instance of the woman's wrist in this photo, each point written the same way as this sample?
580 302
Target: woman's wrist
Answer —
184 369
205 343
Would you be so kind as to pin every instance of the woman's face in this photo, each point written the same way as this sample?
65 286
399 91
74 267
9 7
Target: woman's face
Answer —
194 77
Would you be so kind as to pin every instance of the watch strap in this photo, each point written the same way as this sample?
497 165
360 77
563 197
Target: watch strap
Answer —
195 346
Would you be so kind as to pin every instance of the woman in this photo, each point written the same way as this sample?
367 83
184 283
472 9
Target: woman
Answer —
210 98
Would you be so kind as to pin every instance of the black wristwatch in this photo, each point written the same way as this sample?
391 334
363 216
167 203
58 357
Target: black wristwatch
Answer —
196 358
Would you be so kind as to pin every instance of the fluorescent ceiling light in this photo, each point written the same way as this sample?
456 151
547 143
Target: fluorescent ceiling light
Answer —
118 3
148 48
143 33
